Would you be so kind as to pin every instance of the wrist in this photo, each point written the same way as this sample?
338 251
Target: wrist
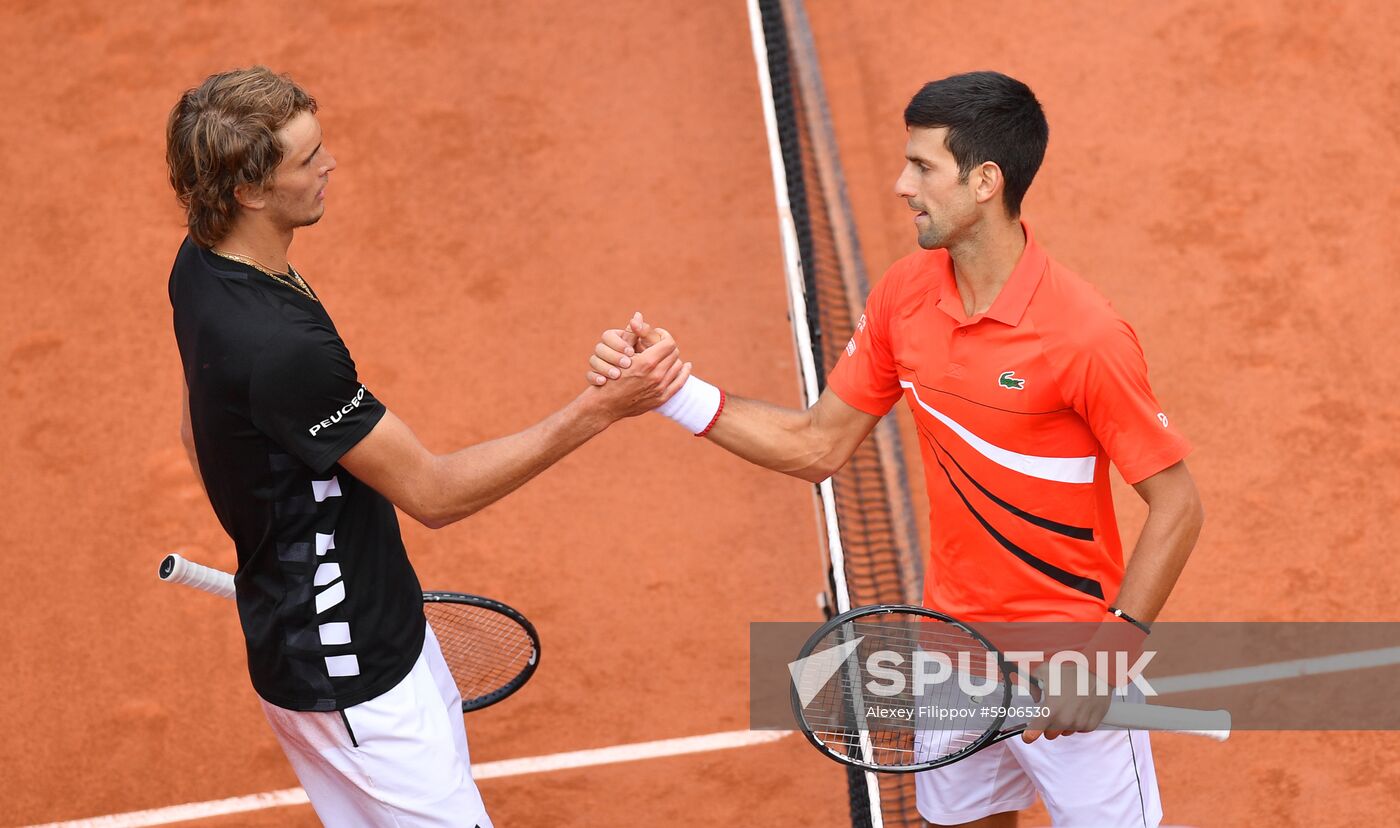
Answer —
589 412
696 406
1114 651
1126 618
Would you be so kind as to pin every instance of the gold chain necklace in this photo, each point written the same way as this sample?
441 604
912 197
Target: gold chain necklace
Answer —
291 278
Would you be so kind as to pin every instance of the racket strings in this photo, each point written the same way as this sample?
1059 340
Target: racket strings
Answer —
485 650
857 714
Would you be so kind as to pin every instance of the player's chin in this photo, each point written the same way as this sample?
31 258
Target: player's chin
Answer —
932 240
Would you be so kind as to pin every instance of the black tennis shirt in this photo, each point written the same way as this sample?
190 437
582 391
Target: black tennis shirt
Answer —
331 609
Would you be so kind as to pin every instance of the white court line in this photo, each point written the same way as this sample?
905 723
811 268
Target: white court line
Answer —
484 770
1260 673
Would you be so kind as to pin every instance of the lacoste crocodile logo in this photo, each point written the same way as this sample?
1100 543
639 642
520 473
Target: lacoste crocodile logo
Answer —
1006 380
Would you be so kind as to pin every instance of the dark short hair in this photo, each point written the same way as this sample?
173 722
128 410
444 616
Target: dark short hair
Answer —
989 117
223 133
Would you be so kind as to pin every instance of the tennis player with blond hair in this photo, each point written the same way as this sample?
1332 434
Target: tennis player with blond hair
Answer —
303 466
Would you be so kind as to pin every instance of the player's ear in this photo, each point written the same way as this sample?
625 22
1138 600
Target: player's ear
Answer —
987 182
250 196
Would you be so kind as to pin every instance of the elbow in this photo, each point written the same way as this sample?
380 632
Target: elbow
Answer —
435 522
828 459
826 463
433 518
439 512
819 471
1194 510
426 501
435 514
428 519
1191 519
824 449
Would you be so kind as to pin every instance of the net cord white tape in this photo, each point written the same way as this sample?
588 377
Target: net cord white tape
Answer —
797 310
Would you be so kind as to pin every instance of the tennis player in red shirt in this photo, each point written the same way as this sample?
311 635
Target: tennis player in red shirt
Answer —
1024 384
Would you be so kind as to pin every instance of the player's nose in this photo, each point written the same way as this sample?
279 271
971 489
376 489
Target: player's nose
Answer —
904 185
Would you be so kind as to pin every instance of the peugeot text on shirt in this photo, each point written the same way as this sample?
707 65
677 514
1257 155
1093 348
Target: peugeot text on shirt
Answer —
346 409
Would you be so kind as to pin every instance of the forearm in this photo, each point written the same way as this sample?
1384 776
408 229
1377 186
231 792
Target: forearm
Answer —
810 444
467 481
1168 536
437 489
782 439
187 435
194 461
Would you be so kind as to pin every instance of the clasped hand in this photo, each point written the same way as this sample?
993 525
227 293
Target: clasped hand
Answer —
637 368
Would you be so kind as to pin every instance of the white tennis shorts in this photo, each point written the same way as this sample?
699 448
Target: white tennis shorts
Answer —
1103 779
399 760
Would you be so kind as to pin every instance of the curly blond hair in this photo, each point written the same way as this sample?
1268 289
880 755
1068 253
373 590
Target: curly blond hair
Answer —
223 133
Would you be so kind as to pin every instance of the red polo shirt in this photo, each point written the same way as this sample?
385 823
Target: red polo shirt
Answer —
1019 409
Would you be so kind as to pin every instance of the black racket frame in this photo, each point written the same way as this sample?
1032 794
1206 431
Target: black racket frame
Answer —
993 732
439 597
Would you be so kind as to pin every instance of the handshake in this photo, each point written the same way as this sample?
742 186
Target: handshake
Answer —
638 368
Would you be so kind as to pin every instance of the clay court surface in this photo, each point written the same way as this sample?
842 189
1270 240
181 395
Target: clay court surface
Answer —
515 177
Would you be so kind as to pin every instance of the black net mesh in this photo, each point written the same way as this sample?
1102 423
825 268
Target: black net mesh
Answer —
883 563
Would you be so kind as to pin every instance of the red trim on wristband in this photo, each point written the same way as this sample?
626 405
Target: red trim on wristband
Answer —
715 419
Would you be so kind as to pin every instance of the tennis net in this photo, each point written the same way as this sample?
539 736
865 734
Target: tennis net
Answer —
867 505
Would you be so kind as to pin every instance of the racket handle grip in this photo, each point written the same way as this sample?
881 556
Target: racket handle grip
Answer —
1212 724
176 570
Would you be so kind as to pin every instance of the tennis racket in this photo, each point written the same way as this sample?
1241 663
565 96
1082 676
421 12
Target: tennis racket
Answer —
857 698
491 649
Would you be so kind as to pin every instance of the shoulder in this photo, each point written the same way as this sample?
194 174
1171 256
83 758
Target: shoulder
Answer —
200 283
299 338
1069 312
195 265
918 268
306 359
915 273
1081 334
225 303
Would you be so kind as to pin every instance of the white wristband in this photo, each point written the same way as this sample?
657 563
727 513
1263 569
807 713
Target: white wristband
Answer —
695 406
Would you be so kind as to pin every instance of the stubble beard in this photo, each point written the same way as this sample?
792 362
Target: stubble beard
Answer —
312 217
292 217
932 237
